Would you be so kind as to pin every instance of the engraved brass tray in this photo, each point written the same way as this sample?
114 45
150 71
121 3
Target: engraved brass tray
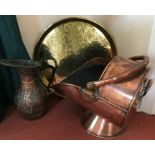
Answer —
70 44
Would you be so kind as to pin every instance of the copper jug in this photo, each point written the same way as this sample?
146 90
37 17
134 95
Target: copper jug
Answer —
31 97
112 98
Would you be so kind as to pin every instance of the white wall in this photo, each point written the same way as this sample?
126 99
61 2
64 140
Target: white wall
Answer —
148 104
133 35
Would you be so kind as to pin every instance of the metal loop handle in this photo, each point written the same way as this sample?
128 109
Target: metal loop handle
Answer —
45 65
124 75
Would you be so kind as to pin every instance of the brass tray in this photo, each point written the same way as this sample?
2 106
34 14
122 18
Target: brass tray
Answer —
70 44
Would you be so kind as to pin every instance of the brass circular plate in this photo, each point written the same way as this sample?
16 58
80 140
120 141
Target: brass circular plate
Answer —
70 43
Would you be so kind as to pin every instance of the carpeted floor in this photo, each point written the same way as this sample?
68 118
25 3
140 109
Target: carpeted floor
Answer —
62 121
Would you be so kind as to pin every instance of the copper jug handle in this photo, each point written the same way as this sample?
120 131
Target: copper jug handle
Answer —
144 60
45 65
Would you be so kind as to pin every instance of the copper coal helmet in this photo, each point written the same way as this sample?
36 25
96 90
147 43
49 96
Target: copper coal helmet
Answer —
80 50
111 99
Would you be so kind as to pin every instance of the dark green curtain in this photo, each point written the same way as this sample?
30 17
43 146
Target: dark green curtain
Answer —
11 47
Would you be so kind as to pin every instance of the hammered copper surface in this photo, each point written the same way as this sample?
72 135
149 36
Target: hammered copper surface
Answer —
31 96
70 43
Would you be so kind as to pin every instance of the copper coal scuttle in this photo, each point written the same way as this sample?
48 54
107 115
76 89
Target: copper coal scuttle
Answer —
111 100
82 65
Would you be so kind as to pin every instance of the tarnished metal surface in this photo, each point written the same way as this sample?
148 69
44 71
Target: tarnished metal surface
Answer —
20 63
70 43
31 97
